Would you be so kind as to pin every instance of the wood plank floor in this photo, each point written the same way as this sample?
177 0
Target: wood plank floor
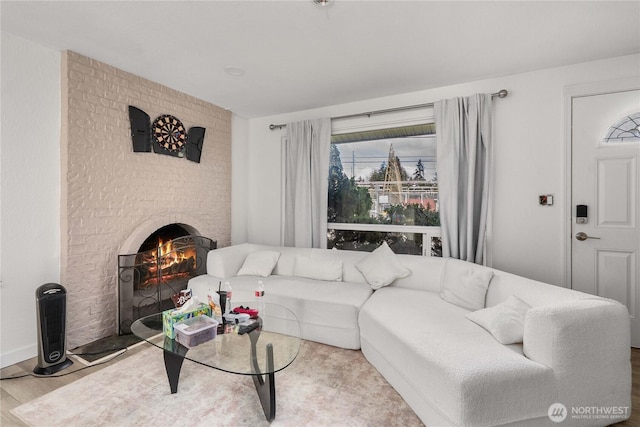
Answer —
19 391
14 393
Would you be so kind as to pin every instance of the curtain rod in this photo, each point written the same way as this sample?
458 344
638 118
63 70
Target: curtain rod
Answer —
500 94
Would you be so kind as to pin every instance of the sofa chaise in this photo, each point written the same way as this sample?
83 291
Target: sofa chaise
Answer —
463 344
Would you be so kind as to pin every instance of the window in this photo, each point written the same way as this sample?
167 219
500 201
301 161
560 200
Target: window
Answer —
383 185
627 129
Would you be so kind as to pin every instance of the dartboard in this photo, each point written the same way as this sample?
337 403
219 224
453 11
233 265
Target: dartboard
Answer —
169 133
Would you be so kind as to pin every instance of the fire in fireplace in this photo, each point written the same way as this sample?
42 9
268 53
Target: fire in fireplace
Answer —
166 233
165 264
162 267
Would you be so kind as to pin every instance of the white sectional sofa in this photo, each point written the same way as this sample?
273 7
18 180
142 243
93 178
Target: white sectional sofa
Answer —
573 349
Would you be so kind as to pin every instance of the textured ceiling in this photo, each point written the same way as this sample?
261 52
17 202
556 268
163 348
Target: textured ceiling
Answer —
297 55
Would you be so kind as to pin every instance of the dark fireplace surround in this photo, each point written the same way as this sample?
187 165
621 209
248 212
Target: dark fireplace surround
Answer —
161 267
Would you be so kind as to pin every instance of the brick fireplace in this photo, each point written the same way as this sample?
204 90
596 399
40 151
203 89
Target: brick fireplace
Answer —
113 198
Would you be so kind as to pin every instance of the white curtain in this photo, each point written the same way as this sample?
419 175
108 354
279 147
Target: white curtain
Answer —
306 183
463 131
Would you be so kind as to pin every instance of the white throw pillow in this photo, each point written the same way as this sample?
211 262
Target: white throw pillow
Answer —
381 267
259 263
465 284
319 269
505 321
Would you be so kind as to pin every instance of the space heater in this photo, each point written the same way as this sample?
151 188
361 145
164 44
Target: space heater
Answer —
51 305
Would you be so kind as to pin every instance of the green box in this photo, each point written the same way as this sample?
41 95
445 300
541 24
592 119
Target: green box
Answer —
171 317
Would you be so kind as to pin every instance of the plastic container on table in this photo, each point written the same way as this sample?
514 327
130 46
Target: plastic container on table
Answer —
196 330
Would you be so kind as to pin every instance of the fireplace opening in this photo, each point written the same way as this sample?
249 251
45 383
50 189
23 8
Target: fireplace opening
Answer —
162 257
166 233
163 265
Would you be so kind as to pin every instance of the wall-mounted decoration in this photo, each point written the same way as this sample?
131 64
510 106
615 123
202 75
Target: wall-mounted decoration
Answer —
168 133
169 136
140 130
195 141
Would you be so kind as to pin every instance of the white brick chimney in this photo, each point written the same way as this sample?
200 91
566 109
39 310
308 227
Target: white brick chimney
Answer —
113 198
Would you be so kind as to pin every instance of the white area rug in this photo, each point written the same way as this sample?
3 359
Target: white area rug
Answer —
325 386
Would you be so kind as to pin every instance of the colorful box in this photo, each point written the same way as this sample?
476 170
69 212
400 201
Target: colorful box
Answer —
173 316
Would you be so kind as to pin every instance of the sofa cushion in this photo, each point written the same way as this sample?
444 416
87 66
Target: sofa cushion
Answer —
451 364
287 260
425 272
381 267
505 321
225 262
349 259
259 263
319 269
465 284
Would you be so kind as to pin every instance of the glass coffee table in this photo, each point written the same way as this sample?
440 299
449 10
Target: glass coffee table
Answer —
270 347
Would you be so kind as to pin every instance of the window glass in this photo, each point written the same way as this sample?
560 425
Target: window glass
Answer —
627 129
399 242
387 176
384 181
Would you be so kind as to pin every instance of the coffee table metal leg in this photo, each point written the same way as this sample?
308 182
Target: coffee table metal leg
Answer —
174 354
266 387
173 364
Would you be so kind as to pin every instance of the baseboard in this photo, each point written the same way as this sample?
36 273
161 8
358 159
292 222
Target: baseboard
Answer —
19 355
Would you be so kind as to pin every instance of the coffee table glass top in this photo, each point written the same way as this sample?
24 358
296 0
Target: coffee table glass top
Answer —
231 352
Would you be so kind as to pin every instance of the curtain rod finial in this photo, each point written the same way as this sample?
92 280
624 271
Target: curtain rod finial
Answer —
503 93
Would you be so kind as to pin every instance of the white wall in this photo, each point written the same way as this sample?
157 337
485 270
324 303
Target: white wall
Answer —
529 160
239 178
30 189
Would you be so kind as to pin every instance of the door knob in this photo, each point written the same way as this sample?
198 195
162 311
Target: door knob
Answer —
583 236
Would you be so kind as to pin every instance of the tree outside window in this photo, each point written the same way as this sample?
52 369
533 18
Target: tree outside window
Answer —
396 187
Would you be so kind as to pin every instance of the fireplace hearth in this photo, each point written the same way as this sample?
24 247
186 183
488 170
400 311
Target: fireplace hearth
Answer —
148 279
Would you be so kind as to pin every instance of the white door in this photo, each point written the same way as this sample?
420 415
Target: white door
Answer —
605 244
